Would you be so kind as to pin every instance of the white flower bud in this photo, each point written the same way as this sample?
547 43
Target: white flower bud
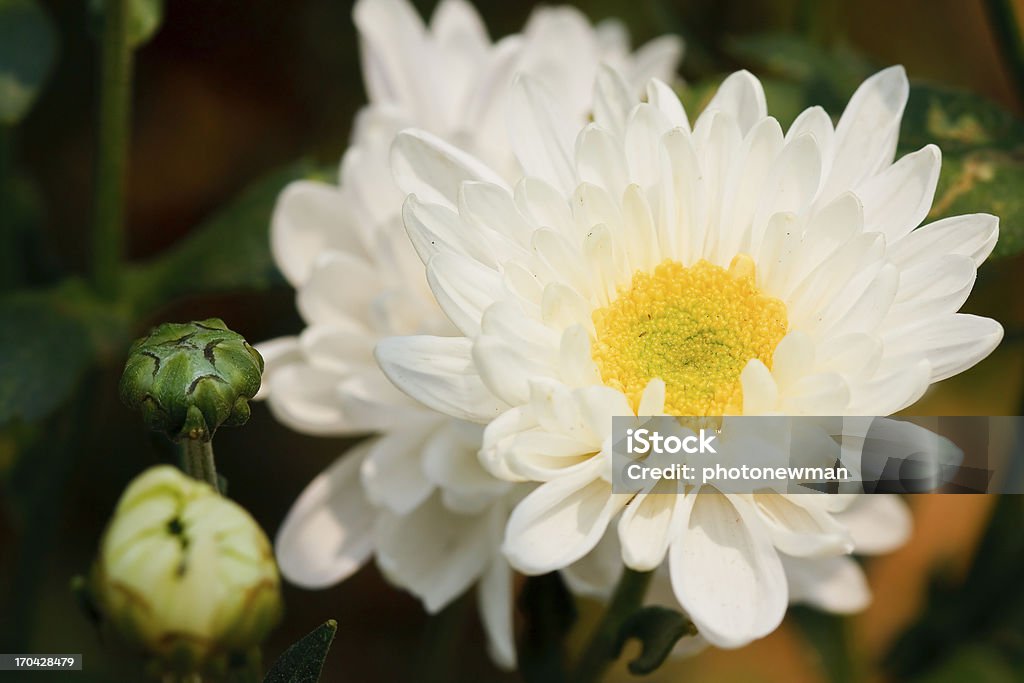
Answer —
184 573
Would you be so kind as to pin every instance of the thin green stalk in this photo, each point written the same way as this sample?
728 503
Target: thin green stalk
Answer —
198 460
1005 25
436 656
112 153
602 649
9 265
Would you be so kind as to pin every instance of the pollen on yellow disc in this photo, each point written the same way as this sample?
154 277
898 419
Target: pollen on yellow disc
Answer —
695 327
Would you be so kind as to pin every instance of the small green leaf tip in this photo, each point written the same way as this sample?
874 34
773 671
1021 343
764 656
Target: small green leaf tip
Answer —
188 379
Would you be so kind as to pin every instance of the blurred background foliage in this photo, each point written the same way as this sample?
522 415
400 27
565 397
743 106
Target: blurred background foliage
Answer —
234 98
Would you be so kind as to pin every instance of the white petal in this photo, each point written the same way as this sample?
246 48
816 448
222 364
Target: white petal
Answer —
801 531
879 523
742 97
464 288
667 102
506 368
309 219
427 166
658 58
392 38
725 572
560 521
951 344
450 461
328 533
340 288
306 399
834 584
540 134
866 134
439 372
277 353
393 472
434 553
971 235
644 529
760 393
613 100
494 598
898 199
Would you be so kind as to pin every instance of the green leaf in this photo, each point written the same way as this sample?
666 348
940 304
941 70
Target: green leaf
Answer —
44 351
48 339
827 76
144 19
982 157
957 121
228 252
977 664
27 50
658 629
303 661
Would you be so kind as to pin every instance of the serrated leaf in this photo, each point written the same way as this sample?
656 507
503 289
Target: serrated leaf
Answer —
228 252
27 50
658 629
303 661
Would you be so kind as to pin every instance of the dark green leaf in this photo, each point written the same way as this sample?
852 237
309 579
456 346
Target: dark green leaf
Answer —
27 47
658 629
827 76
44 350
48 339
977 664
957 121
228 252
303 661
982 157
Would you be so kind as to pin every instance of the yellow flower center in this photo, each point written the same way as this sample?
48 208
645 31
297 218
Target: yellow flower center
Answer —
694 327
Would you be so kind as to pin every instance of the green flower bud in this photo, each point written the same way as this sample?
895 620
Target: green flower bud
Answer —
185 574
188 379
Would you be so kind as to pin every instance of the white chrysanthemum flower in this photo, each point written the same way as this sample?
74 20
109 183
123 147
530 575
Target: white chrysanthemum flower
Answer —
416 496
641 267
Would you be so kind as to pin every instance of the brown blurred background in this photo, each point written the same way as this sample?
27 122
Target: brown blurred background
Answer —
229 90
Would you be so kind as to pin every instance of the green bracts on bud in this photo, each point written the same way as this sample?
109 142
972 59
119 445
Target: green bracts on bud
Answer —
188 379
184 574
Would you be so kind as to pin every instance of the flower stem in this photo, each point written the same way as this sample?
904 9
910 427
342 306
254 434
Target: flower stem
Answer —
436 657
199 462
9 252
112 153
602 649
1003 21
